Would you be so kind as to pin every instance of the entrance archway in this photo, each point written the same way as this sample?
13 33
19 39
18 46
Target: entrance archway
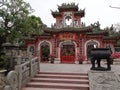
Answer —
44 51
67 52
89 45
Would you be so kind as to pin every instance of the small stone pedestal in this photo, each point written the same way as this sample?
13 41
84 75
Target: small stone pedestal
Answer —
101 69
57 60
104 80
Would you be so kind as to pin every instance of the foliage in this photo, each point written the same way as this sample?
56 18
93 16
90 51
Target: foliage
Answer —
113 30
16 22
34 24
13 14
46 51
3 62
67 52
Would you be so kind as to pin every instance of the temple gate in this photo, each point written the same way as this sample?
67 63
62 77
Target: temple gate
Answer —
69 40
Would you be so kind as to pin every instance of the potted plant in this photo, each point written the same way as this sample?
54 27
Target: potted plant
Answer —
52 58
80 58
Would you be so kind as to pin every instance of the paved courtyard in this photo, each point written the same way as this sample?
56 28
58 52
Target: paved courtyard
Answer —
72 68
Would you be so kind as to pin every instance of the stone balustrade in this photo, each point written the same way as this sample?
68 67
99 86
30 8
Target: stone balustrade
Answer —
22 74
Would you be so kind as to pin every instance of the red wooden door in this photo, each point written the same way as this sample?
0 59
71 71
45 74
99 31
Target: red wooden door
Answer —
68 54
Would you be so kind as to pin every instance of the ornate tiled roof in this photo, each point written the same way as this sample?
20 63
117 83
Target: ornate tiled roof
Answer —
110 38
68 29
43 35
56 13
68 7
105 33
80 12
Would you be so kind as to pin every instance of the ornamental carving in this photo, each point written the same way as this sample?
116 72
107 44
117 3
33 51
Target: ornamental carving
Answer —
12 81
67 36
104 80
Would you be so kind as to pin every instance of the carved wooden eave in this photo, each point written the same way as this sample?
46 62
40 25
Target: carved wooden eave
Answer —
110 38
69 29
43 35
68 7
80 13
98 33
56 14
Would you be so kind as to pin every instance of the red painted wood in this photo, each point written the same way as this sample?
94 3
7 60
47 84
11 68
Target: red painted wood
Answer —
68 59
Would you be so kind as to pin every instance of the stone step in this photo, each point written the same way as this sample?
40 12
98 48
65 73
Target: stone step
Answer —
62 76
59 75
60 85
55 73
58 81
30 88
116 61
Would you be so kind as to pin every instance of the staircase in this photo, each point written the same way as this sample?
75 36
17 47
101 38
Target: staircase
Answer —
58 81
116 61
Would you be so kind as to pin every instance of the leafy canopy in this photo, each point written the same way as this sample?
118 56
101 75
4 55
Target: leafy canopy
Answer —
15 21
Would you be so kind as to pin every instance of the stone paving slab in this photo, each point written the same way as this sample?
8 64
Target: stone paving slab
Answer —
65 68
72 68
104 80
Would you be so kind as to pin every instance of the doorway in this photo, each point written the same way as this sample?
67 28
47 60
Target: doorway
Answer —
45 52
67 53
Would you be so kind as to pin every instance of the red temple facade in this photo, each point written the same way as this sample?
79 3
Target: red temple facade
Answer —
69 40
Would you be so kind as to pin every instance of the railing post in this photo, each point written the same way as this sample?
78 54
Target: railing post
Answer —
38 64
18 69
31 69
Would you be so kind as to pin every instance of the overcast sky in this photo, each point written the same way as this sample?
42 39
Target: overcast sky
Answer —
95 10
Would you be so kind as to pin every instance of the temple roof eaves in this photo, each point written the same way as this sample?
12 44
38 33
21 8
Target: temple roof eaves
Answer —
110 38
68 29
55 13
99 33
80 13
69 6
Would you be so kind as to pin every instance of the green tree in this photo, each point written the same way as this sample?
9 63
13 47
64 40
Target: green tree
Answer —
33 25
16 22
13 14
113 30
